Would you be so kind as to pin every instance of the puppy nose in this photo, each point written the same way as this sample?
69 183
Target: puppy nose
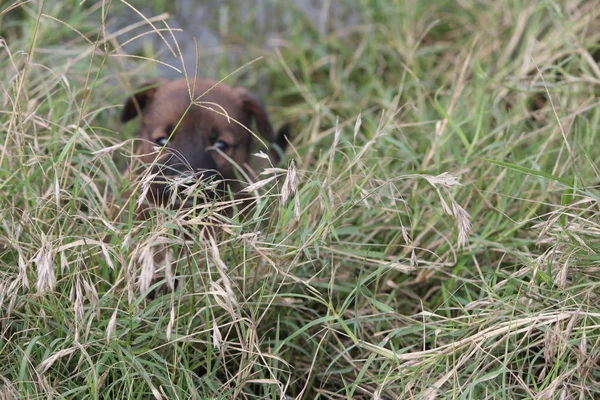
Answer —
208 181
208 175
166 170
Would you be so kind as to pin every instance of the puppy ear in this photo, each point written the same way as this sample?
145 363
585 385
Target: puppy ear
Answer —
255 107
283 135
139 100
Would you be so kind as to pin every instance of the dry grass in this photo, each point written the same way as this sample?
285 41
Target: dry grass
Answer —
433 233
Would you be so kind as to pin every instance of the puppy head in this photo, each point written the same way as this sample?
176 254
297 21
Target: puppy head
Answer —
202 130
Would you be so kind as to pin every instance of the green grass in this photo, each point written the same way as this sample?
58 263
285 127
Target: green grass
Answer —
441 238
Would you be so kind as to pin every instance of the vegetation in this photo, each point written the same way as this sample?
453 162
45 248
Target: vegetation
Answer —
433 232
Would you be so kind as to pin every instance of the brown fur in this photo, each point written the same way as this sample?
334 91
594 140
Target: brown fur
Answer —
194 116
208 132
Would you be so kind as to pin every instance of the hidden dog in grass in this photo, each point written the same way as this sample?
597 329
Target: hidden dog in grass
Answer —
197 131
196 140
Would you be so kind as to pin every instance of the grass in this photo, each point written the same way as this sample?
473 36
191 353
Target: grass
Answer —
435 232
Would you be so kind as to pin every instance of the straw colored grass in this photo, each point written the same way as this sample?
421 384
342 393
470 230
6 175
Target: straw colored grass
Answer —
433 231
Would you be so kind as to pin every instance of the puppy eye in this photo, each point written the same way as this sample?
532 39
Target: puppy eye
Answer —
161 141
221 145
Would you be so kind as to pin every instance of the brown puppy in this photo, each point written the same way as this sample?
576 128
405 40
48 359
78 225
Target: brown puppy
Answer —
195 135
197 130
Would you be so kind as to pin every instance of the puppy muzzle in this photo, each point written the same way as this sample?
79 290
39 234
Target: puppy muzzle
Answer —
177 189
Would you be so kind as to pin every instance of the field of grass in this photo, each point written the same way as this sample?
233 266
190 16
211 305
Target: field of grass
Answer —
433 232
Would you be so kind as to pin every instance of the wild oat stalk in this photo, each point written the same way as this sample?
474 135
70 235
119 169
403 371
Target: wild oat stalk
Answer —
363 268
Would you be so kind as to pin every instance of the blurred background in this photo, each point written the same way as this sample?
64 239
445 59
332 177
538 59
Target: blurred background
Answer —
442 239
230 31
